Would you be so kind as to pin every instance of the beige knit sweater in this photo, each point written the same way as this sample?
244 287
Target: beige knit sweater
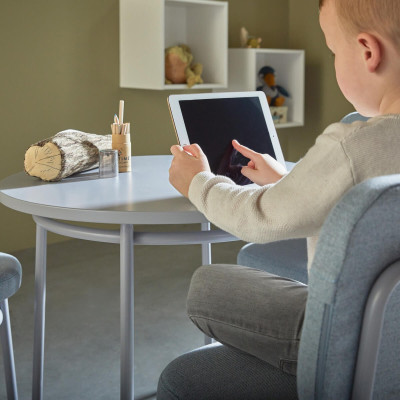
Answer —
296 206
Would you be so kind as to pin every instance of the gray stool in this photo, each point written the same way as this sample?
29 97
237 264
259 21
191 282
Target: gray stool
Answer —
10 281
286 258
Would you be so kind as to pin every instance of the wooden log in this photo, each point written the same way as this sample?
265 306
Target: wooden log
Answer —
64 154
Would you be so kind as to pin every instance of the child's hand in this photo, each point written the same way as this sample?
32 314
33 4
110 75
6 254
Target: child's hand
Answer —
262 168
188 161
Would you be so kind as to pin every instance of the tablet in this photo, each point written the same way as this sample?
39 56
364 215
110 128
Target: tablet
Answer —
213 120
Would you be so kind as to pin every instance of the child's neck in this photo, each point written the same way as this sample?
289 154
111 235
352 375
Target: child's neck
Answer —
391 103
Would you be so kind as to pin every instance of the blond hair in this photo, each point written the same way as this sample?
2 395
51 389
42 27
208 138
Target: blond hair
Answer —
380 16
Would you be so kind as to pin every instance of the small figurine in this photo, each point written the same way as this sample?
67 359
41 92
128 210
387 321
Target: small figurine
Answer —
275 94
249 41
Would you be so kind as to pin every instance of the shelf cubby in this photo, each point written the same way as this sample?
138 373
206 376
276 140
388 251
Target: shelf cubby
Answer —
148 27
289 65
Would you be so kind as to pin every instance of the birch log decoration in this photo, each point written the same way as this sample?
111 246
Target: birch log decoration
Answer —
64 154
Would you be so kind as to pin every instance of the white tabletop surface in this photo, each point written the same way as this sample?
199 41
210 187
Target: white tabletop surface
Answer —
142 196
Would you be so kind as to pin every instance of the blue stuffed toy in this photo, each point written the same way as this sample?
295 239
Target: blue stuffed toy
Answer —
275 94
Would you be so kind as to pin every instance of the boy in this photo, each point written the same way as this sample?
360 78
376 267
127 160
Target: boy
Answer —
364 36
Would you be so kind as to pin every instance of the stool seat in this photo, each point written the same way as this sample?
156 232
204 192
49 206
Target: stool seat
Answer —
286 258
10 275
10 282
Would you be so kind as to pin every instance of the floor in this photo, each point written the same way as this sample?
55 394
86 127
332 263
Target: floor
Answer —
82 317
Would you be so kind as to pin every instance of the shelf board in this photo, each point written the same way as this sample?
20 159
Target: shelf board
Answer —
195 2
288 125
199 86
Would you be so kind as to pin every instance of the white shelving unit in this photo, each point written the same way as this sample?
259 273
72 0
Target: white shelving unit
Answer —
289 65
148 27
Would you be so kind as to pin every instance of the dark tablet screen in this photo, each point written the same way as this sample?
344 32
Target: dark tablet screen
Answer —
214 123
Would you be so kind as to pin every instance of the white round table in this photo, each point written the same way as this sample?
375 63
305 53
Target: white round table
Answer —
143 196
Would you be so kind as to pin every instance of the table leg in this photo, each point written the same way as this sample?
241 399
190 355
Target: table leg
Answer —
127 312
39 313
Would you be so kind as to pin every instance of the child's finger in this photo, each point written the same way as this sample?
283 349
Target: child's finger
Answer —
248 172
251 164
176 149
243 149
193 149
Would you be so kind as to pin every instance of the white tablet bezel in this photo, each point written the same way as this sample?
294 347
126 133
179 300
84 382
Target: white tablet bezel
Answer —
179 124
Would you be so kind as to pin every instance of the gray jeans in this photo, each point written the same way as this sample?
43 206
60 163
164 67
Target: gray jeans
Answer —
251 310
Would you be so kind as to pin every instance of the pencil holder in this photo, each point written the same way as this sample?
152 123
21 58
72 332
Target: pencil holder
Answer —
122 143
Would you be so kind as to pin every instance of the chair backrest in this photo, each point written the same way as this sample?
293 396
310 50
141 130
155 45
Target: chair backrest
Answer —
358 242
352 117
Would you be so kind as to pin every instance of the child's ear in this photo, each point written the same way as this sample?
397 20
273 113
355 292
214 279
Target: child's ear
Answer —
371 49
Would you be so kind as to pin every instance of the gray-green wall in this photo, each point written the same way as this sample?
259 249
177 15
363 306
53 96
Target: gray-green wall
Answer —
59 69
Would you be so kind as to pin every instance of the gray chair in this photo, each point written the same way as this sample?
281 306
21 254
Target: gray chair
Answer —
10 281
286 258
350 343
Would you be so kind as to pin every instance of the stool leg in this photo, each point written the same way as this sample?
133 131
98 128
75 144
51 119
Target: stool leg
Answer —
8 353
39 313
206 260
205 247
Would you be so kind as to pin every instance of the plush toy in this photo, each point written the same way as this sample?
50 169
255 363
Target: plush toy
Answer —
275 94
179 66
249 41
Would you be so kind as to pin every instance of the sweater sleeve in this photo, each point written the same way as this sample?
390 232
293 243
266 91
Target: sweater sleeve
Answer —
296 206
